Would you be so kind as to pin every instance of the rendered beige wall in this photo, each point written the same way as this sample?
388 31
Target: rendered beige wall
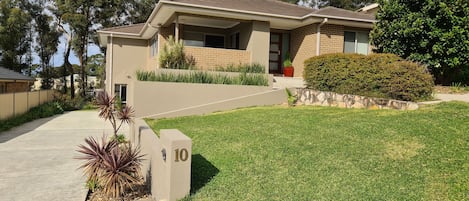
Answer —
210 58
168 179
129 55
166 99
259 44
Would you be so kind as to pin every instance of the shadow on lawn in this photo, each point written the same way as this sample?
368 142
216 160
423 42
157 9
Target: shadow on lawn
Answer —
202 172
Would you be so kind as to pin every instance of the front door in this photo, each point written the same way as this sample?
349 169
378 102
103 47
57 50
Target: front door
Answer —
275 53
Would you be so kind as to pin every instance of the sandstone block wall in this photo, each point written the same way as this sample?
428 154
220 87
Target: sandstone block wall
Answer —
320 98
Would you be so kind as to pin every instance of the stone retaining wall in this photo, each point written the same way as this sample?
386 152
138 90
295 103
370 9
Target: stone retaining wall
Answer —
313 97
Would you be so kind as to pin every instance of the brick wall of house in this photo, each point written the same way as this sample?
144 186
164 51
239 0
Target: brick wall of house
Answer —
302 46
209 58
332 39
16 87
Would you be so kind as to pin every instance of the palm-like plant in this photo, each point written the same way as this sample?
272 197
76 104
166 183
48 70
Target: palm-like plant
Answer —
113 167
93 153
113 111
121 170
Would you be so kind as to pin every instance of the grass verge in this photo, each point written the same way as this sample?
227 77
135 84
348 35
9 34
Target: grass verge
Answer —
321 153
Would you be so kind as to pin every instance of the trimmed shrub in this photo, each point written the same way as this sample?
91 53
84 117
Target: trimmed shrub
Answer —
376 75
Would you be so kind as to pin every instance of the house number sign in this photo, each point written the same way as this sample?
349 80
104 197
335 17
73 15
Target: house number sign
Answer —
181 155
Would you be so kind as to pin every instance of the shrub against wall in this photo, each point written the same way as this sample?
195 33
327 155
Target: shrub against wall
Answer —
205 77
242 68
172 56
376 75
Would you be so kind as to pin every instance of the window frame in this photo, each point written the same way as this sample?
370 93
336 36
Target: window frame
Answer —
118 92
154 45
356 41
204 41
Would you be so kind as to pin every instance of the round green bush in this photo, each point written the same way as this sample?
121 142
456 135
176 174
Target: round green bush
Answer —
376 75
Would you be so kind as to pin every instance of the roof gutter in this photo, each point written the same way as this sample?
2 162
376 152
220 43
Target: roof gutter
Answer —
318 36
340 18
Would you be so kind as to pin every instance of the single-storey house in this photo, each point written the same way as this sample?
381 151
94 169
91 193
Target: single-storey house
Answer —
11 81
222 32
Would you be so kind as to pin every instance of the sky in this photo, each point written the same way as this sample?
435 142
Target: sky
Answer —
58 58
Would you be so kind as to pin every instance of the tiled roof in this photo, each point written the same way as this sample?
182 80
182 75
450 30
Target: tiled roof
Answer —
130 29
337 12
272 7
7 74
261 6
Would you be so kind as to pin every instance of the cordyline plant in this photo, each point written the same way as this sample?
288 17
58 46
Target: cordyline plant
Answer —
113 111
111 166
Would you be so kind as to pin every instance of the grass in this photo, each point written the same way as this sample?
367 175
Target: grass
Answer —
322 153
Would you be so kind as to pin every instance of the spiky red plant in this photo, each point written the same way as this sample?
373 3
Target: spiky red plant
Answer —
115 168
110 110
93 153
121 170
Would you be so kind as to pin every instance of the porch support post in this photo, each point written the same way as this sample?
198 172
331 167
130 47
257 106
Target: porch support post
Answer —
259 43
176 28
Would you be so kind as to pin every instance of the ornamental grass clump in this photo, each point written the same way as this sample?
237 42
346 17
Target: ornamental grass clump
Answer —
112 166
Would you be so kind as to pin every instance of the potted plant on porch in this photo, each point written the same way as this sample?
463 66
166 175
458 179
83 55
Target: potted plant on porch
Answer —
288 69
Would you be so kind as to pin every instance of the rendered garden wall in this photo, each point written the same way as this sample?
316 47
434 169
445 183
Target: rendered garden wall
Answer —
168 99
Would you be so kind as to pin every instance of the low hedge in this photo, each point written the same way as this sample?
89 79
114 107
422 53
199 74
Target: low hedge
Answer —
376 75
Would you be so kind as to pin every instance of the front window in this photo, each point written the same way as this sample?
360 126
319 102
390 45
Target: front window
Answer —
121 92
204 40
356 42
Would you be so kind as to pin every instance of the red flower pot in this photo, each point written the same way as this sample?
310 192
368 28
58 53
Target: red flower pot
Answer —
288 71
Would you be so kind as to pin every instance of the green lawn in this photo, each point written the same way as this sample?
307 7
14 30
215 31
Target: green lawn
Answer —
323 153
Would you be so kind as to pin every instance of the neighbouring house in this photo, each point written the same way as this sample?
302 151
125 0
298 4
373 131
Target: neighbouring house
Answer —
92 83
222 32
12 82
370 9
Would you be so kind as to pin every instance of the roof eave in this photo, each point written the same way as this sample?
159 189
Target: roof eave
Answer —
154 20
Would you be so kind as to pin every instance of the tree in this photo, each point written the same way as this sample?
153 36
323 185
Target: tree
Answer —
84 17
95 67
47 40
14 25
433 32
345 4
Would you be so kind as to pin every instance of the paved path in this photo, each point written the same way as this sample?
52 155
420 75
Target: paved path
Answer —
453 97
37 158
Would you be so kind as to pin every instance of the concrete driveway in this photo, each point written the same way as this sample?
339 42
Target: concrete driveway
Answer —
36 159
